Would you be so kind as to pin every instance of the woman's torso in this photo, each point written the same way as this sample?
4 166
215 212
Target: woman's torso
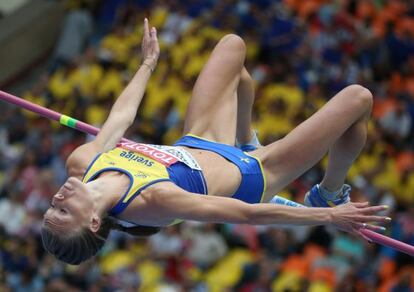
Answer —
221 177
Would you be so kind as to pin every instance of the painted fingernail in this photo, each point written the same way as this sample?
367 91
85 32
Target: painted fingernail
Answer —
388 218
386 207
382 228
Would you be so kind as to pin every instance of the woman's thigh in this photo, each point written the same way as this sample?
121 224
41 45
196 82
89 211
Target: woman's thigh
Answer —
288 158
212 110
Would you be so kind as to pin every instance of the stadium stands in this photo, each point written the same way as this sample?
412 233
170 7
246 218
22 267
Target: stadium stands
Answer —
299 54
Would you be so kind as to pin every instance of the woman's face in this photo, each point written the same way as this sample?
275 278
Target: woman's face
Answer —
71 207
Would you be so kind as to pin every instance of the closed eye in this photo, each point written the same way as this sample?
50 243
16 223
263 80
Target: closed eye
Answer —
61 210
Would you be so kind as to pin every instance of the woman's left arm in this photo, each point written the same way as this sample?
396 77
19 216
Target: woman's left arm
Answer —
125 108
175 203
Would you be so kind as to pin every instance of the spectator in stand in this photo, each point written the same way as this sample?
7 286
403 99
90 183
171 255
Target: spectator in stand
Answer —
77 30
206 245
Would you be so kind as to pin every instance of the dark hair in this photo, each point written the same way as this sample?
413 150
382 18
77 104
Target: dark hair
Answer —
74 249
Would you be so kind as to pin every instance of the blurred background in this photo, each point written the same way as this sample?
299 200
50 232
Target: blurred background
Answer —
75 57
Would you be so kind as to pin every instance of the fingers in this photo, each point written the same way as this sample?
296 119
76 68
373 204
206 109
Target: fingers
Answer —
150 36
153 34
376 228
367 214
374 209
356 217
361 204
371 227
378 219
147 32
365 206
372 218
146 29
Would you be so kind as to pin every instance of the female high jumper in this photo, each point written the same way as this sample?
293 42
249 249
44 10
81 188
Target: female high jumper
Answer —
203 176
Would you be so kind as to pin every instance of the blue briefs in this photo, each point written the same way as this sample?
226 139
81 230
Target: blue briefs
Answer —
191 180
252 186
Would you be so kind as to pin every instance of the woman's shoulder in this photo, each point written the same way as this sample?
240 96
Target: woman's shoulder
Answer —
79 160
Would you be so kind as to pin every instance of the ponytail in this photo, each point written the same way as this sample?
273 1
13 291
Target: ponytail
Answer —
74 249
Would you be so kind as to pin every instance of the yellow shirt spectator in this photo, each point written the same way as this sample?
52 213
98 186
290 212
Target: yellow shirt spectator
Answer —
404 191
195 64
60 85
211 33
193 44
87 78
252 49
158 93
111 84
270 126
178 56
118 45
159 16
388 179
96 115
292 95
367 161
39 100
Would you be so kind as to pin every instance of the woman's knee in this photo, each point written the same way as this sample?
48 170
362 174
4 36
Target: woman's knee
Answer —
361 96
233 42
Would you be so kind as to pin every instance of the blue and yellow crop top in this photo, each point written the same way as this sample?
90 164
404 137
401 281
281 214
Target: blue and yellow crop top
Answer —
146 165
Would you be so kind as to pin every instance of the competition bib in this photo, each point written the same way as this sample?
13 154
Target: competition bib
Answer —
167 155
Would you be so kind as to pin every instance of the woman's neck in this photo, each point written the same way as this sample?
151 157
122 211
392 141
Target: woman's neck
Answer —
108 189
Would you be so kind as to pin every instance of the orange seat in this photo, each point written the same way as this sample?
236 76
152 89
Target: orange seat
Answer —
382 107
405 161
297 264
313 252
387 269
365 9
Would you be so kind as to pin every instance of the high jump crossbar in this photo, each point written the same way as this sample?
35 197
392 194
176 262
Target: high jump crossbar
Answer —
88 129
50 114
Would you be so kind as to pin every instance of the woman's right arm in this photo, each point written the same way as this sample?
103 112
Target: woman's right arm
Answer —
125 108
123 111
177 203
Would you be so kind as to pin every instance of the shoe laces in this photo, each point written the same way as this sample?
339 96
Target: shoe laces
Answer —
346 190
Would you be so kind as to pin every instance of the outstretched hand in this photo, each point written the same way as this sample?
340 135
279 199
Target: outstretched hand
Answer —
352 217
150 47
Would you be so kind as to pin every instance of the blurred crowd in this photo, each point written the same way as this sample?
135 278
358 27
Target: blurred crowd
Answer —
300 53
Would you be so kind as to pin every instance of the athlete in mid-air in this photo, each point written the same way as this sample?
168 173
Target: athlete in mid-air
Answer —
203 176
